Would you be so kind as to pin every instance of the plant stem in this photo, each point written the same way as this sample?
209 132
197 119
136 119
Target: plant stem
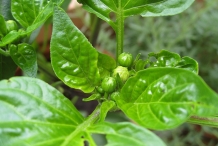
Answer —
5 53
119 30
91 119
209 121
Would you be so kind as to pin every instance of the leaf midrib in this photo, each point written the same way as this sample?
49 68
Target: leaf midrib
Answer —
41 101
7 123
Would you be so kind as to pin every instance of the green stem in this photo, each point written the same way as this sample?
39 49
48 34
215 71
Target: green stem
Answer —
91 119
5 53
120 30
209 121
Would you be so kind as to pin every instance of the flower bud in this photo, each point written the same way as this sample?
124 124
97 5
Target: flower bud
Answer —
122 72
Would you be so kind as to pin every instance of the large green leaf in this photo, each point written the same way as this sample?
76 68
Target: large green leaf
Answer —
24 55
73 58
106 8
127 134
7 67
163 98
34 113
32 13
166 8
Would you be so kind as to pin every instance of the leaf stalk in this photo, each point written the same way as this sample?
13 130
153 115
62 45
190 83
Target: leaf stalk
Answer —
91 119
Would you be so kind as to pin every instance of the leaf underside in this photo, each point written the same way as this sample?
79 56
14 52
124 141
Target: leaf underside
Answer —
105 9
166 8
126 133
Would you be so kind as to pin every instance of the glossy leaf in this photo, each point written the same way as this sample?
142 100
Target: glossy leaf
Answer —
140 64
7 67
32 13
24 55
73 58
163 98
28 12
166 8
106 106
189 64
106 8
106 64
93 97
3 30
126 133
34 113
9 38
166 58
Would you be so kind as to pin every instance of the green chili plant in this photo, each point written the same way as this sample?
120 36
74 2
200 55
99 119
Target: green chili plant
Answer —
159 92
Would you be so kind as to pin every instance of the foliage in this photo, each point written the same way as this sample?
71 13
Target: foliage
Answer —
188 35
160 92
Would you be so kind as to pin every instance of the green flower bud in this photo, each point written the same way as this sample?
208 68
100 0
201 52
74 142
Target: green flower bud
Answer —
11 25
125 59
100 90
109 84
122 72
115 95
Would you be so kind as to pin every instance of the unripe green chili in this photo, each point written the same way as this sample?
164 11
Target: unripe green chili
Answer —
109 84
125 59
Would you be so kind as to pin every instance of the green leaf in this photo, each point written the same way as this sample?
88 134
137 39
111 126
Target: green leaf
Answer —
7 67
106 64
189 64
3 30
166 58
126 133
32 13
34 113
105 8
106 106
163 98
24 55
93 97
140 64
73 58
166 8
9 38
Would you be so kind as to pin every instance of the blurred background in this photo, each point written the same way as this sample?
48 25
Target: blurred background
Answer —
192 33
